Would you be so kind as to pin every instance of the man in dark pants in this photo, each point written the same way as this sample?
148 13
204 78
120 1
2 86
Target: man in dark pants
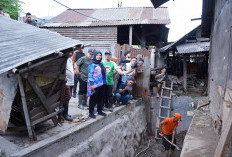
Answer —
81 69
169 130
29 20
77 55
124 92
110 68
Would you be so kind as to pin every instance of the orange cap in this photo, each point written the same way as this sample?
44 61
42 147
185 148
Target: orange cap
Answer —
178 116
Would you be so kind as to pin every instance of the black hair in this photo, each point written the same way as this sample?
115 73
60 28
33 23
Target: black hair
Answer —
28 14
140 59
131 79
133 58
126 53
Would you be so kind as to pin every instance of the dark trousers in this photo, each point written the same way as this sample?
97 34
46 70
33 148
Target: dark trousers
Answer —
68 95
82 87
76 80
166 144
96 98
108 97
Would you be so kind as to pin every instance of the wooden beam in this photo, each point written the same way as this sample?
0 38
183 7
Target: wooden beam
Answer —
185 74
225 138
130 35
25 110
46 117
41 96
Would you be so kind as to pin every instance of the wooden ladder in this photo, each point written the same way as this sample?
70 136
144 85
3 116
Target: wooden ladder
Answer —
163 108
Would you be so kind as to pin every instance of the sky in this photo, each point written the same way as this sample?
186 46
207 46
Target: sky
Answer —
180 11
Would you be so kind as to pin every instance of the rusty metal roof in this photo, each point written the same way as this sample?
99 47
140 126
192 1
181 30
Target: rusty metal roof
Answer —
21 43
110 17
193 47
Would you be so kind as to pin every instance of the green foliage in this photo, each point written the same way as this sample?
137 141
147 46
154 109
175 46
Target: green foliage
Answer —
11 7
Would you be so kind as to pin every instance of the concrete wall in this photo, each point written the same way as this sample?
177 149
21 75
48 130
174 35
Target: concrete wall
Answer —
118 139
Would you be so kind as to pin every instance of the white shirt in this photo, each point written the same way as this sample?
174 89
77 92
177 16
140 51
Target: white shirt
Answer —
69 73
128 67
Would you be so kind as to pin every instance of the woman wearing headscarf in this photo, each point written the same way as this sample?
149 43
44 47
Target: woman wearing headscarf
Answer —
96 80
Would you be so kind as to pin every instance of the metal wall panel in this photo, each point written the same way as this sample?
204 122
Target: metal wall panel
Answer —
97 37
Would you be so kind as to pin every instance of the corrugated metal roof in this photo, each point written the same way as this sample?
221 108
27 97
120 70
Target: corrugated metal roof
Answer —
110 17
193 47
21 43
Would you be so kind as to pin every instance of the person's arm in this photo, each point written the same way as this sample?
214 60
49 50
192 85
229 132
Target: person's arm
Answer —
173 135
123 90
90 76
160 128
77 66
158 75
74 58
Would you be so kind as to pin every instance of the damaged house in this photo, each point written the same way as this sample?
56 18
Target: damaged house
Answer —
103 28
32 75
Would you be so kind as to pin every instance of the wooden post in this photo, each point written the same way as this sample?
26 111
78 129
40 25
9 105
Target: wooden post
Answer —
185 74
25 110
130 35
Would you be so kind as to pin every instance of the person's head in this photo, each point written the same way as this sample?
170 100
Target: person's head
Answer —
127 54
1 11
140 62
114 59
28 16
163 70
130 82
81 48
97 56
90 53
108 56
123 66
133 61
177 117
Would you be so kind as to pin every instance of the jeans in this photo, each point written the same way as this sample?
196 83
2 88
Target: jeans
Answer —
76 80
108 98
122 98
96 98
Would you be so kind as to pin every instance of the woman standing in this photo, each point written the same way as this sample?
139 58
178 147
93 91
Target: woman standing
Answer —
96 80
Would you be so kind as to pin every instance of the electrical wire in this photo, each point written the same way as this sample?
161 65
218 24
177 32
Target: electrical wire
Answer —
78 11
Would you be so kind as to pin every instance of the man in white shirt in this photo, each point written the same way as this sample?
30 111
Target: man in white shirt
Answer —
68 86
129 70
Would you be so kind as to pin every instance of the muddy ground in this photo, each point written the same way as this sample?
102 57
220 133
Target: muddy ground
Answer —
156 148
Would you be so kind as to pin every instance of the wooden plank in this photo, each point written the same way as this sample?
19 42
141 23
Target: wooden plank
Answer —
25 110
46 117
41 96
185 74
42 112
225 138
54 98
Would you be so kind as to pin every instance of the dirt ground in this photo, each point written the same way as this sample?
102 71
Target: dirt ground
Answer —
156 148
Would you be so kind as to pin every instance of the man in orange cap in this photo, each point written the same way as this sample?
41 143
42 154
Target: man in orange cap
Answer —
168 129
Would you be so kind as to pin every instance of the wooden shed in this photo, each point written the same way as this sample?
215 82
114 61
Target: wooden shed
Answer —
32 74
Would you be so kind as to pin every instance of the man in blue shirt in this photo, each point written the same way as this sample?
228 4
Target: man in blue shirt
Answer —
124 92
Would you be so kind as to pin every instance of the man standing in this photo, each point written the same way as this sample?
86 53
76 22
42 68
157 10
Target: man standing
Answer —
168 129
124 92
68 86
110 67
81 70
29 20
77 55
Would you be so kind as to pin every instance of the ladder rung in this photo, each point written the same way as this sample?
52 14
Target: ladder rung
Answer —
165 107
167 88
162 117
165 97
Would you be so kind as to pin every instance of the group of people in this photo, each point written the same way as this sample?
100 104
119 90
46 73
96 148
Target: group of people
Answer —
105 83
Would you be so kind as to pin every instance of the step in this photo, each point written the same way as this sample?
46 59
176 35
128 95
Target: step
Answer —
167 88
165 107
165 97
